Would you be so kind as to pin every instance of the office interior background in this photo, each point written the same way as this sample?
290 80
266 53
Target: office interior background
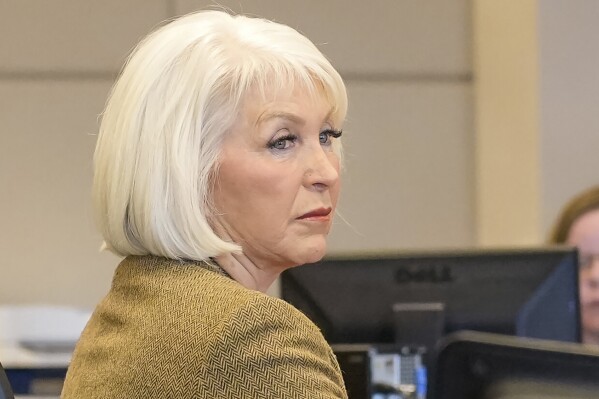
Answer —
471 122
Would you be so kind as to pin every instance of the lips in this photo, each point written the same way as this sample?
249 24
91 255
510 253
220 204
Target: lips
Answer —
320 213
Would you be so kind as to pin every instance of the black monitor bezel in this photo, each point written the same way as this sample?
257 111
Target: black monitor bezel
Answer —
558 250
477 365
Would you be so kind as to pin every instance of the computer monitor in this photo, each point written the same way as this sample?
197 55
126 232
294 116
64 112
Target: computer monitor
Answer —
530 292
5 389
474 365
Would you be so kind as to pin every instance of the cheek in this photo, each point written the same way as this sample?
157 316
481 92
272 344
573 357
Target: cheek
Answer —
253 188
585 281
335 188
335 191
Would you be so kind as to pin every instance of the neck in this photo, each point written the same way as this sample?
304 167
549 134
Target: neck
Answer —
246 273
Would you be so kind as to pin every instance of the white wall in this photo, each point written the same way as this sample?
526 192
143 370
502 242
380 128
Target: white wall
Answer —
569 100
508 192
57 62
410 143
536 90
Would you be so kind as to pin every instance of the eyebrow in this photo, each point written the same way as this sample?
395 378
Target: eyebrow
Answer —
266 116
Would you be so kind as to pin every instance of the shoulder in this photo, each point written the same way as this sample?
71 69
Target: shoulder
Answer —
263 309
277 346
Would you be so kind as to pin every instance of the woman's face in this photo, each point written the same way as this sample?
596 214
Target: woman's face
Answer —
278 180
584 234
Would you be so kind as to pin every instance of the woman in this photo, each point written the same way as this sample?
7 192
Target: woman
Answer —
578 225
216 168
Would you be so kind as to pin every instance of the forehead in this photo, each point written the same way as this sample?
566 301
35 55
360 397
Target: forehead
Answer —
296 104
585 232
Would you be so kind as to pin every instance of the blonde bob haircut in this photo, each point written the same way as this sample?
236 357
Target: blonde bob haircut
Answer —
161 131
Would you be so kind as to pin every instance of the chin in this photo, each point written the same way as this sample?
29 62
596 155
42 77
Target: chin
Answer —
313 258
312 253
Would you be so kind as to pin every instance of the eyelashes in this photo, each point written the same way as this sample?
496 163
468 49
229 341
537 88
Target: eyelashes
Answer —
282 143
333 133
288 140
325 136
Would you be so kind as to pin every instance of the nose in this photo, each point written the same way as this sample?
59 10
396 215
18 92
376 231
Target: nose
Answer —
322 169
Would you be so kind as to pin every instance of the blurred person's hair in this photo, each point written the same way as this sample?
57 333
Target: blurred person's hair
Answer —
577 206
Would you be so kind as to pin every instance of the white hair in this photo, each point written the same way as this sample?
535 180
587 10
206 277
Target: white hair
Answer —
180 91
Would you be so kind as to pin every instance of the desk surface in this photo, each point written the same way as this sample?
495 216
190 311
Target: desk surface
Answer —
15 356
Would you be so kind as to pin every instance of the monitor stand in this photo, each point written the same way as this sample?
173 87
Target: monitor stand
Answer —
420 326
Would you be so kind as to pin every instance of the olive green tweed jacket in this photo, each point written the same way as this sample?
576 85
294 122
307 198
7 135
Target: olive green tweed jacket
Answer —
169 329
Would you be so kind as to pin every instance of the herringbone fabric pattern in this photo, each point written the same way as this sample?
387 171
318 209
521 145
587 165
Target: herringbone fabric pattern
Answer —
169 329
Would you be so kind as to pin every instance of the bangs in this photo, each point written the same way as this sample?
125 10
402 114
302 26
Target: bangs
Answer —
278 76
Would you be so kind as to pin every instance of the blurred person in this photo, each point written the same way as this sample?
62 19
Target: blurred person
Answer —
578 225
216 168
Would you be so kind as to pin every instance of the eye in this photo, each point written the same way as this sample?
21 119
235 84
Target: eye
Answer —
282 143
585 261
325 136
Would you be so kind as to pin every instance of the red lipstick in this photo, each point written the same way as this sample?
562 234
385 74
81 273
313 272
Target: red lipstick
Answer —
320 214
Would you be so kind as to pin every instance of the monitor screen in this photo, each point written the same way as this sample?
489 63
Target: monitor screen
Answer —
474 365
529 292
